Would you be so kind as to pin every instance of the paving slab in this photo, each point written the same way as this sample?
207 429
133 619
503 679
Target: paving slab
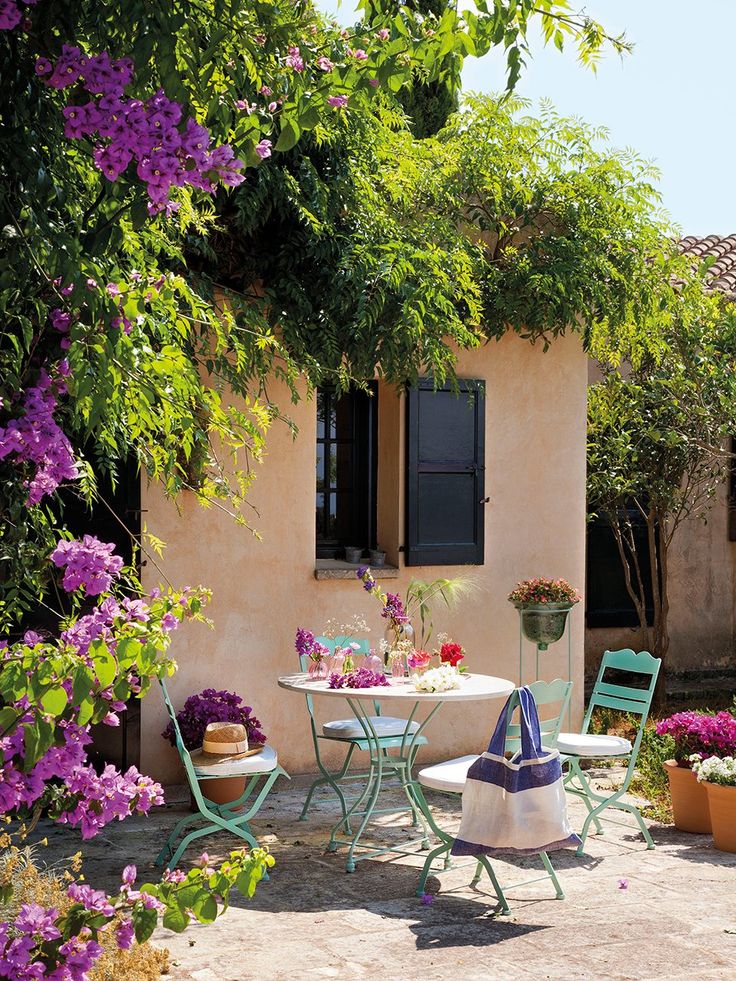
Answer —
675 919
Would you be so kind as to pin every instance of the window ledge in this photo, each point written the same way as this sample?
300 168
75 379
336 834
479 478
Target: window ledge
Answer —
338 569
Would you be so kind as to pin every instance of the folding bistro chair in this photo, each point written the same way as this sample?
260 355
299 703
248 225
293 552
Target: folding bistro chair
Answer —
575 747
449 778
350 733
232 817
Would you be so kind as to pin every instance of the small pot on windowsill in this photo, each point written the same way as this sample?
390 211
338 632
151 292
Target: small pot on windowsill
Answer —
377 558
353 555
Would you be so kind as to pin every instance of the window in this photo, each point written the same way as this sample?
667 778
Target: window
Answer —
346 471
445 474
608 600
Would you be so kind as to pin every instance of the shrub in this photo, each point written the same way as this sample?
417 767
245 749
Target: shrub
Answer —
213 706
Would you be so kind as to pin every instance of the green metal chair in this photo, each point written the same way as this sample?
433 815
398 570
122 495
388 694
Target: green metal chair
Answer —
234 816
351 733
575 747
449 778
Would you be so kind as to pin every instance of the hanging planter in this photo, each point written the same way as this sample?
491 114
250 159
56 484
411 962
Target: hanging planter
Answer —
543 624
544 606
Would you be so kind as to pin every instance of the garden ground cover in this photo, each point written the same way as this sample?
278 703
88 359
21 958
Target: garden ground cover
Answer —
676 918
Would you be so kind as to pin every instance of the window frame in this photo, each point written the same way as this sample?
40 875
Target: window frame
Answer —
364 472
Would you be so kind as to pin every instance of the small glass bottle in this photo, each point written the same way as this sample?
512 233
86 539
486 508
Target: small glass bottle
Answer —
372 662
318 670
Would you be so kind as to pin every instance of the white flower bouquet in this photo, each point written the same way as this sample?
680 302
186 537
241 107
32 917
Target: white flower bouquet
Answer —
443 678
715 769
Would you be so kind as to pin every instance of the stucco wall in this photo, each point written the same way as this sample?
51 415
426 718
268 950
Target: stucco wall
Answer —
701 586
263 590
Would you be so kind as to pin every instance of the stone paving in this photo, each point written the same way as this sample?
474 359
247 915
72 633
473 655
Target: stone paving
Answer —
676 918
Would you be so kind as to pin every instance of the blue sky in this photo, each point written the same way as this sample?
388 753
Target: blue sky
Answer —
669 100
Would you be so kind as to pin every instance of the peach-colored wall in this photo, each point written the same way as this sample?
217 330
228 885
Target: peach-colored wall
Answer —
263 590
702 581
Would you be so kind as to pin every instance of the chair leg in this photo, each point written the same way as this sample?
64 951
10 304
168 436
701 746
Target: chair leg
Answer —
331 779
505 908
559 894
177 830
584 791
444 847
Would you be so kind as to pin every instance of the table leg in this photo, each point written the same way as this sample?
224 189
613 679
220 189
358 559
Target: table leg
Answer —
400 765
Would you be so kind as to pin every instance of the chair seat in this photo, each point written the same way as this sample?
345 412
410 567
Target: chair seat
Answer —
449 776
384 725
262 762
587 744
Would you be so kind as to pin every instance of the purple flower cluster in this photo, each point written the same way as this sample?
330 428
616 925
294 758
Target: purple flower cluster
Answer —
361 678
36 438
26 944
307 646
98 799
213 706
701 734
19 788
11 13
393 610
369 583
89 564
167 151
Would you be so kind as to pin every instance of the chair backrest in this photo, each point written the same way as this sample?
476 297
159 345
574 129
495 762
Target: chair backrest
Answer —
181 748
555 692
331 643
626 698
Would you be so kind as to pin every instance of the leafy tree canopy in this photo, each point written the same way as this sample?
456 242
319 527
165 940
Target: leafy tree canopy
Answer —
658 443
94 284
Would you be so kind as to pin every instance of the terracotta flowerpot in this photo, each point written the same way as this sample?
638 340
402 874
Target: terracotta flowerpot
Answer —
543 623
689 800
722 804
221 791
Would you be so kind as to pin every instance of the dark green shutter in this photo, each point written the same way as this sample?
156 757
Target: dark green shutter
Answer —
445 474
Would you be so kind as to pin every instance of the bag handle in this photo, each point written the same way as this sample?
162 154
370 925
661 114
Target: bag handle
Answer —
531 737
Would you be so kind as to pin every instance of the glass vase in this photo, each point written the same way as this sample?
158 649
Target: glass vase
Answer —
318 670
395 635
372 662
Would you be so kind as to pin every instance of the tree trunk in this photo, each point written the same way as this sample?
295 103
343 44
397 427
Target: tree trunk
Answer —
659 631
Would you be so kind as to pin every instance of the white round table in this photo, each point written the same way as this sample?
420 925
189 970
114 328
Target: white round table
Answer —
473 687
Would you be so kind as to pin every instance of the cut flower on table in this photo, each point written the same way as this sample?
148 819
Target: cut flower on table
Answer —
443 678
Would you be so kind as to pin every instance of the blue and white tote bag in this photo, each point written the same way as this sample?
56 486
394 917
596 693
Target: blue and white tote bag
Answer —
516 805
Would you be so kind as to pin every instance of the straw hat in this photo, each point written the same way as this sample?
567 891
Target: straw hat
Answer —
224 741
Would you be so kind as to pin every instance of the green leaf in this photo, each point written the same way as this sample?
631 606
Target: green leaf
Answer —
288 136
144 923
205 908
54 701
175 918
104 663
39 736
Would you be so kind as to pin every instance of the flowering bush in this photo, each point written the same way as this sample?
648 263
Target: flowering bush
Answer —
213 706
700 734
360 678
544 591
443 678
52 691
151 133
716 769
61 933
